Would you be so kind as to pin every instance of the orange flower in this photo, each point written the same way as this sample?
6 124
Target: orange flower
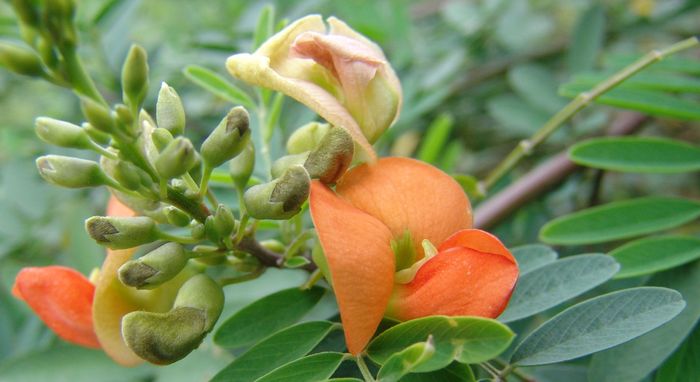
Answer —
90 315
393 200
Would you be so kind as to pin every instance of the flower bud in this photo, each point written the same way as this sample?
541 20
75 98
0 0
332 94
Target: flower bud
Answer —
121 232
95 134
170 113
307 137
58 20
280 199
20 59
210 230
135 76
124 116
224 222
332 157
154 268
177 217
198 231
128 175
71 172
241 167
163 338
176 159
99 116
161 138
61 133
283 163
228 139
273 245
26 11
203 293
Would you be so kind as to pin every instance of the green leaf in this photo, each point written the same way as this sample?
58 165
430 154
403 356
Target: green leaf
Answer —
470 185
556 282
654 254
645 81
620 220
312 368
455 372
647 101
465 339
535 84
69 364
280 348
647 352
637 154
435 138
217 85
406 361
598 324
533 256
265 26
672 64
512 112
683 364
273 117
587 39
266 316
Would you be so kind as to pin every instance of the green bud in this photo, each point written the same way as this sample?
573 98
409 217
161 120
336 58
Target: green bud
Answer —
121 232
163 338
228 139
203 293
95 134
124 115
154 268
161 138
20 59
127 174
224 222
332 157
307 137
176 159
58 20
99 116
177 217
210 230
71 172
170 113
135 76
282 164
241 167
26 12
273 245
280 199
61 133
198 231
47 51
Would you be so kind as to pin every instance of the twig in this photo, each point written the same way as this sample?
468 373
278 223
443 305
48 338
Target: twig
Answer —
542 178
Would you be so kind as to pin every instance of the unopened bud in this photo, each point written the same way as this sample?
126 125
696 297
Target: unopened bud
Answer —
280 199
307 137
71 172
121 232
128 175
124 115
58 20
198 231
135 76
161 138
273 245
170 113
26 11
154 268
241 167
210 230
177 217
282 164
99 116
228 139
203 293
224 222
176 159
332 157
61 133
20 59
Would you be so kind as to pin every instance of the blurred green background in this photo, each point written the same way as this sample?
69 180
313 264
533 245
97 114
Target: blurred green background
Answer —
477 75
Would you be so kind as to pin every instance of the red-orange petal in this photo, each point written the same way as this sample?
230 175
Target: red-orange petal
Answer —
478 240
459 281
406 194
357 248
62 298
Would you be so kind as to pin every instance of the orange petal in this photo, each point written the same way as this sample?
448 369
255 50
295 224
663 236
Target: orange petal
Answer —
62 298
457 282
477 240
356 246
404 193
117 208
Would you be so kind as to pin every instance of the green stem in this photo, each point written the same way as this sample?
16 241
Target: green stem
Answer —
242 223
178 239
204 183
526 146
79 78
293 248
313 279
190 182
366 374
239 279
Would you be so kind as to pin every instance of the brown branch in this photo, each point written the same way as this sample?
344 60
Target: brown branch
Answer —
266 257
543 178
